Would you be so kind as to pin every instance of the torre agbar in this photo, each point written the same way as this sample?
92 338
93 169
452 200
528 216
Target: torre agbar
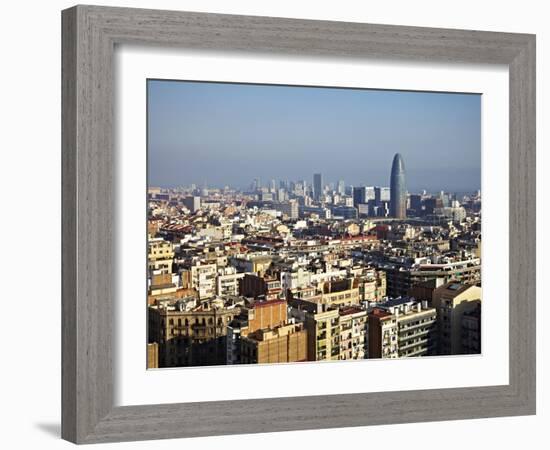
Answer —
398 190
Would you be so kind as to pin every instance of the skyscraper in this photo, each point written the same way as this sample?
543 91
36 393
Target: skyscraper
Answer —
362 195
398 200
358 196
317 186
381 194
341 187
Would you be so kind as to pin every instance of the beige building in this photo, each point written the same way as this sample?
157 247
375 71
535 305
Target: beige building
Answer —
152 355
163 287
286 343
372 286
257 264
323 331
189 335
340 292
160 256
452 301
256 320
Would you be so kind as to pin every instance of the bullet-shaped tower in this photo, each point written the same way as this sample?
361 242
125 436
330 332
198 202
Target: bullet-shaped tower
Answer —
398 190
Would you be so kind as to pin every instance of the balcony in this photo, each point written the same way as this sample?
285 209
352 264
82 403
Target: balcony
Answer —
419 352
414 344
403 329
411 335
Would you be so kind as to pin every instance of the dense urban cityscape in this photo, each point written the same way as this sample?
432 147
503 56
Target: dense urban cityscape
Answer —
290 271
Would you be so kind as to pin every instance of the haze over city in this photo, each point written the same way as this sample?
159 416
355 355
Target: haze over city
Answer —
228 134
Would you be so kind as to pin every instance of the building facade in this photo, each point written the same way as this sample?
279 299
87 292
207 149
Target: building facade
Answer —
160 256
323 331
190 336
398 189
402 327
452 301
471 331
192 203
203 279
353 333
286 343
317 186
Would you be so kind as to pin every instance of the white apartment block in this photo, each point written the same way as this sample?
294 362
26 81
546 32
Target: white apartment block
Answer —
203 280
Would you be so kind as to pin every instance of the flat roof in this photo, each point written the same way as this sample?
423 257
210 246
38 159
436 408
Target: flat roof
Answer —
378 312
397 301
268 303
454 288
351 310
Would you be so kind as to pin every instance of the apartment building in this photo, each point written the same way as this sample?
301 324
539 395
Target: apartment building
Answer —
323 331
401 279
353 333
203 279
286 343
257 264
452 301
382 334
340 292
372 285
254 317
416 330
266 286
402 327
471 331
191 334
227 282
166 286
160 256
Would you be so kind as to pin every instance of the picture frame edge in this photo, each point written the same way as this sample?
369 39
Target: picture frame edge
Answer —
89 34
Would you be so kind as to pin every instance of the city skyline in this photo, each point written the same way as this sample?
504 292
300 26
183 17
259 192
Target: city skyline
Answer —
199 131
342 234
317 186
296 273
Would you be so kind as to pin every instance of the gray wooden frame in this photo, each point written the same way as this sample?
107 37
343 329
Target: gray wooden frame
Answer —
89 36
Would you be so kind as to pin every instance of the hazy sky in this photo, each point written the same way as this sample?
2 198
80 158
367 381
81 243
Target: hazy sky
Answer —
229 134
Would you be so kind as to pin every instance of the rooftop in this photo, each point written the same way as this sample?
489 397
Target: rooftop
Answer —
350 310
267 303
453 288
381 313
399 301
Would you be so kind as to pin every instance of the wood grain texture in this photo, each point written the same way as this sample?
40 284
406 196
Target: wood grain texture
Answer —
89 36
68 225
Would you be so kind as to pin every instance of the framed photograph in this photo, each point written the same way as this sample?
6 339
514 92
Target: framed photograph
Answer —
318 224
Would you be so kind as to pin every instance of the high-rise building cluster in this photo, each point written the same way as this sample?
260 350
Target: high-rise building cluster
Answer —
291 270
